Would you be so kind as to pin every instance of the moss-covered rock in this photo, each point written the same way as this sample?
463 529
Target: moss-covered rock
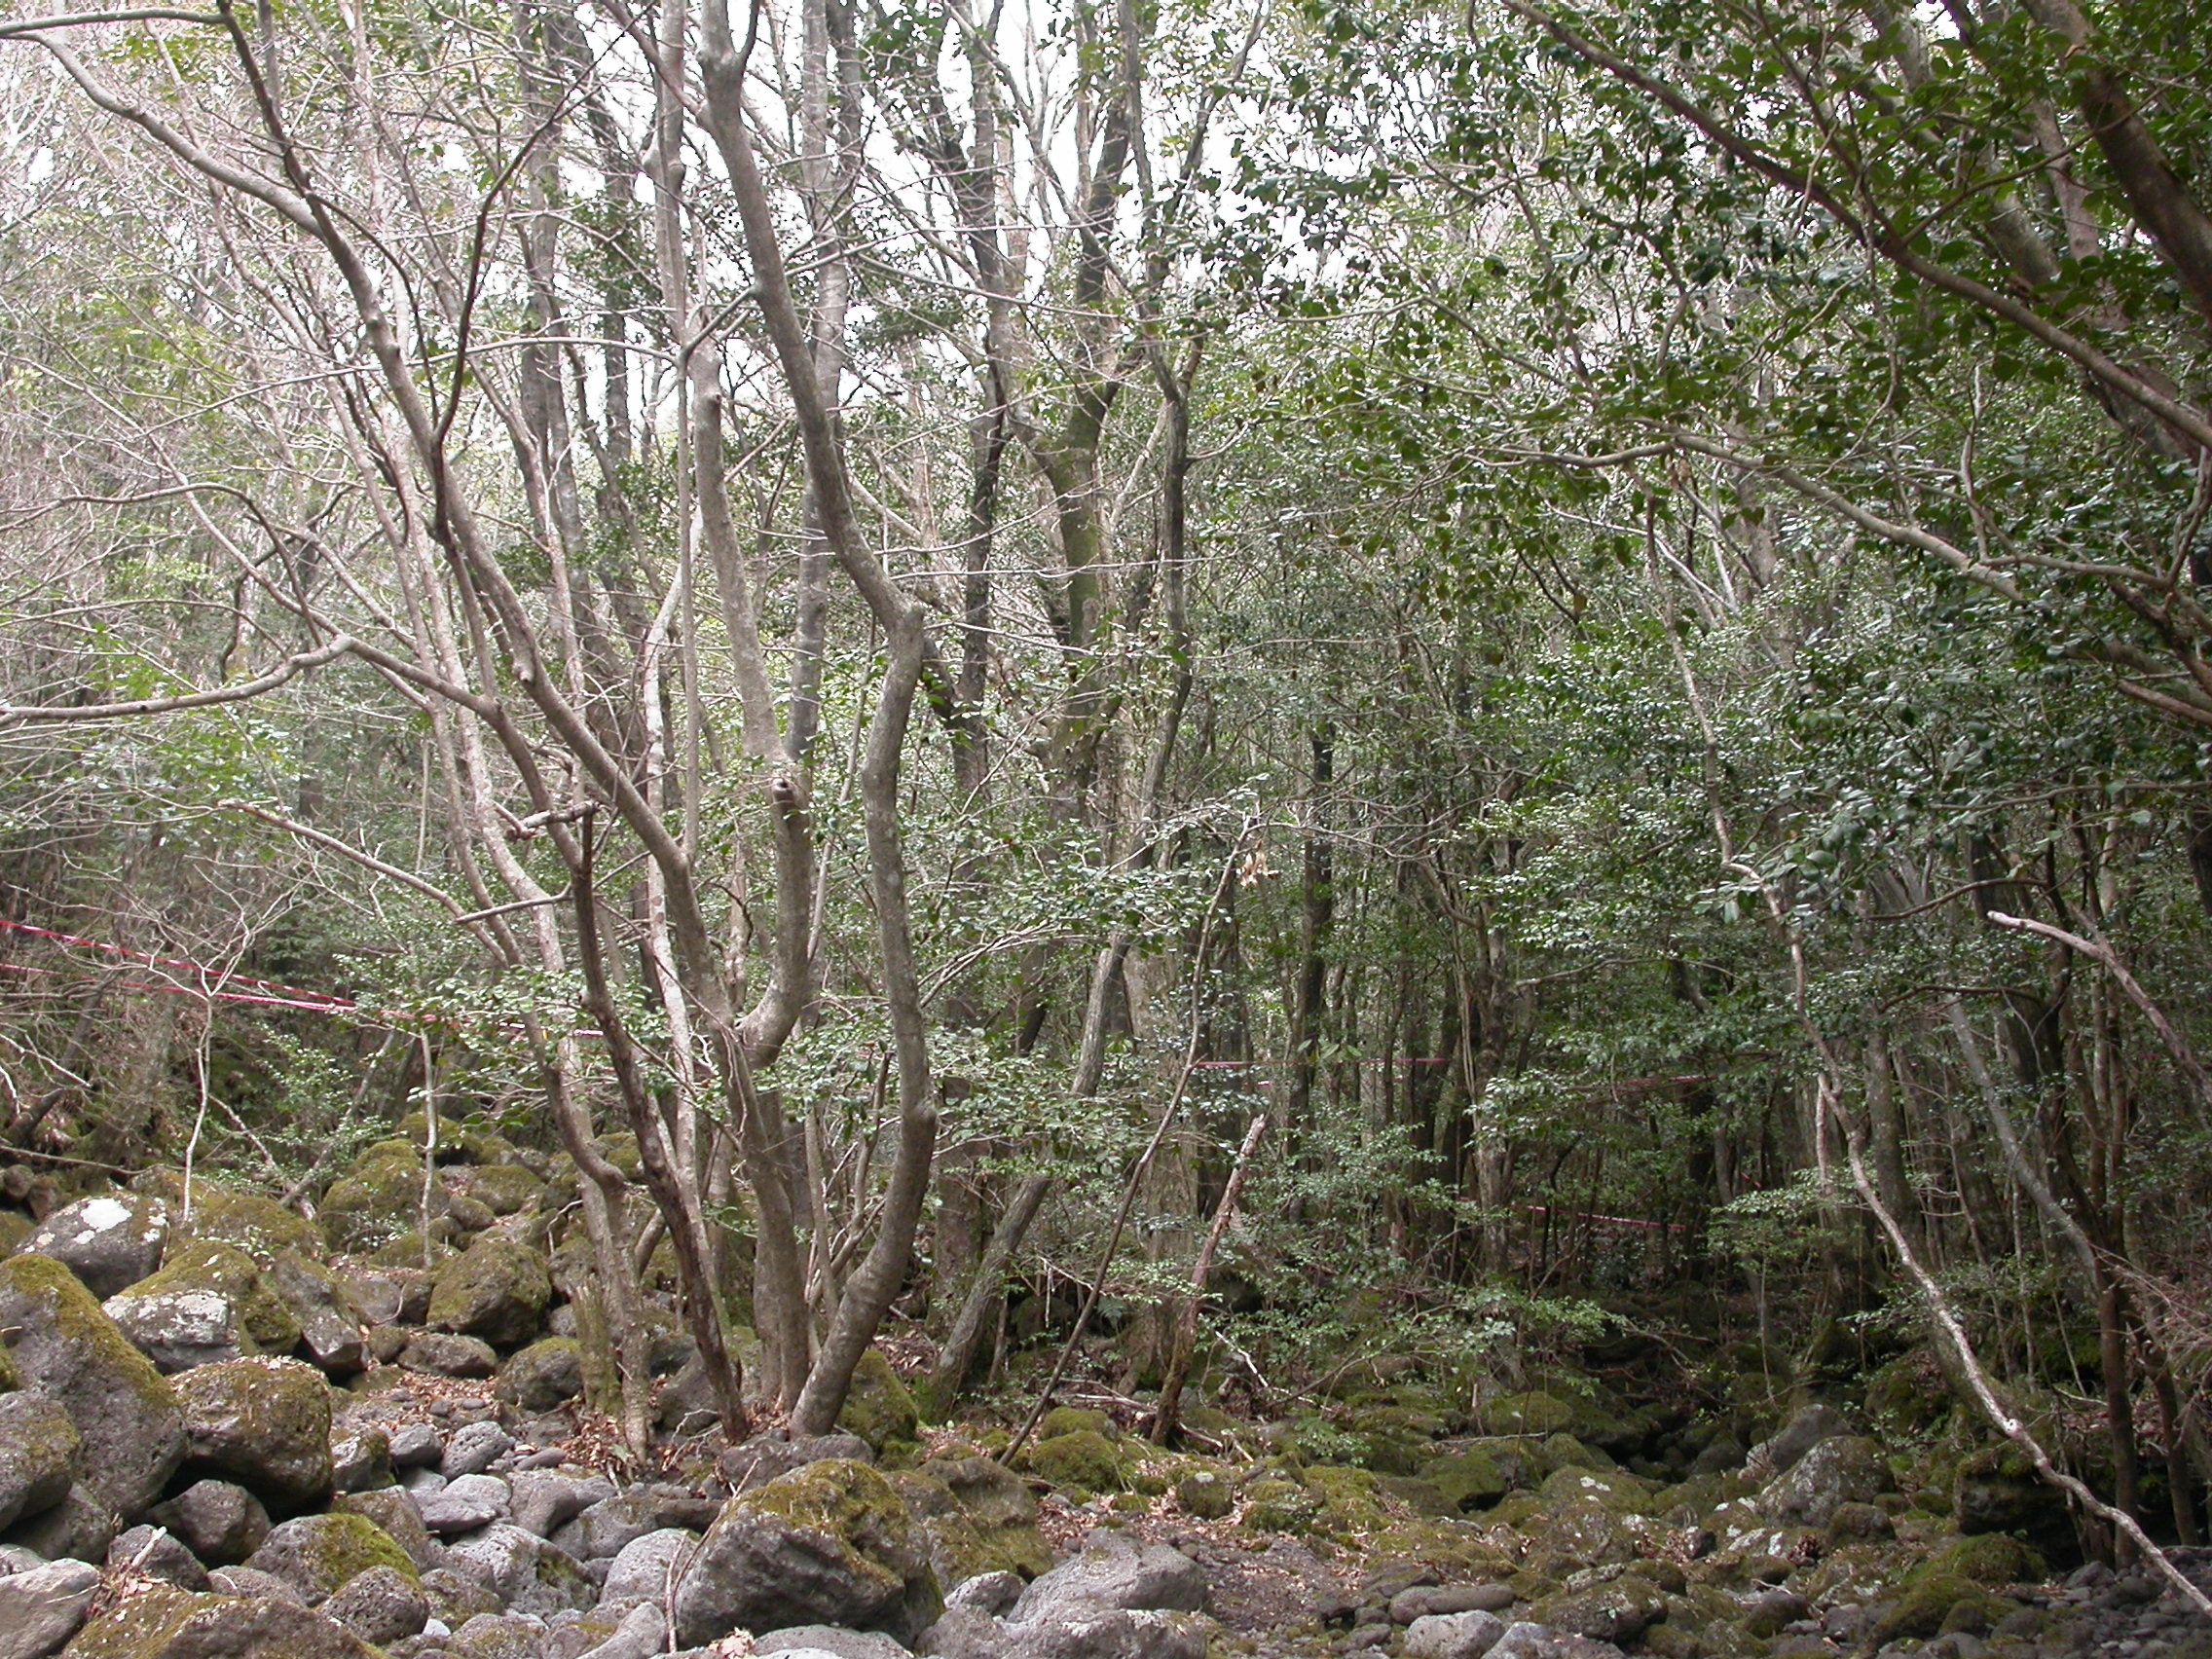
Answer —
261 1227
127 1414
1991 1558
547 1374
1278 1505
38 1454
1615 1489
829 1543
226 1270
1074 1419
996 1533
1349 1503
1459 1550
1206 1491
264 1423
1532 1411
330 1317
317 1554
1997 1491
379 1199
495 1289
504 1189
158 1621
1472 1477
1085 1462
1928 1602
878 1407
1618 1613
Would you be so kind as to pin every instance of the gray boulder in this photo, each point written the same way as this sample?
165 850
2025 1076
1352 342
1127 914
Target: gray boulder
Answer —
968 1633
475 1448
330 1320
768 1456
829 1543
988 1591
501 1635
831 1640
110 1242
80 1528
1467 1635
643 1633
465 1505
1540 1641
221 1524
442 1354
415 1446
360 1460
152 1552
41 1610
128 1424
544 1500
380 1605
608 1528
38 1454
179 1329
1796 1437
1424 1599
253 1583
526 1572
648 1569
1114 1570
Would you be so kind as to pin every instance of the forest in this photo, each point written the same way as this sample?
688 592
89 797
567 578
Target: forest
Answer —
1412 799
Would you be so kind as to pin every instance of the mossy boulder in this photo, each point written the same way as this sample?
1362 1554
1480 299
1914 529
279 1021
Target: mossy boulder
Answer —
1615 1489
1349 1503
547 1374
1844 1468
330 1317
1083 1462
878 1408
1277 1504
38 1454
829 1543
208 1265
1074 1419
1474 1476
504 1189
1206 1491
1618 1613
264 1423
110 1240
1931 1604
159 1621
985 1523
1997 1491
1532 1411
495 1289
1908 1395
126 1413
379 1199
1991 1558
319 1555
261 1227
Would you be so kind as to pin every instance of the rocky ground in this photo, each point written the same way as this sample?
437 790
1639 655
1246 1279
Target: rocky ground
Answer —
225 1431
